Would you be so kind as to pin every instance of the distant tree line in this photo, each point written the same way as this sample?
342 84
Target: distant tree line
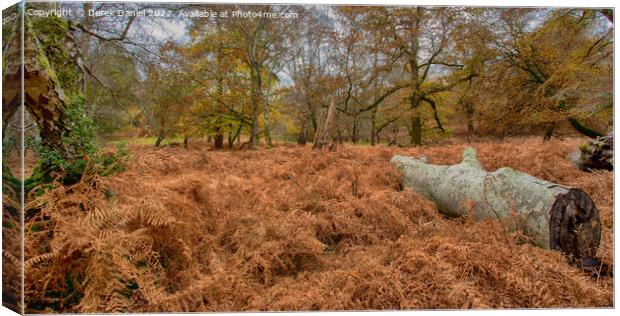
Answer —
397 75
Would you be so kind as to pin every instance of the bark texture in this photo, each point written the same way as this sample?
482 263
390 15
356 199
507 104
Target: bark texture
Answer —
552 215
52 81
324 136
44 97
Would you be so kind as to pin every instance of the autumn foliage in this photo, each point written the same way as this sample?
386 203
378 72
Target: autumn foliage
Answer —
226 213
290 228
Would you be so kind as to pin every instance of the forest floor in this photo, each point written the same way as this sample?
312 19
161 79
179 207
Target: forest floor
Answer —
290 228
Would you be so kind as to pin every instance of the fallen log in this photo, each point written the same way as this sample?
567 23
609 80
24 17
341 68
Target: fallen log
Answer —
595 154
552 215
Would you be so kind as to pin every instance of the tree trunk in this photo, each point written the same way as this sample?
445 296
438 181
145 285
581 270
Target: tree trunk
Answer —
315 124
303 133
337 136
394 137
552 215
43 97
470 128
56 105
218 141
416 129
355 129
374 136
373 127
469 115
256 96
324 135
415 99
160 138
549 131
254 141
185 141
84 47
231 140
267 123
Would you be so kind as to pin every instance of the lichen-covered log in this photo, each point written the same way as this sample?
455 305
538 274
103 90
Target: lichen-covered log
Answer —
552 215
595 154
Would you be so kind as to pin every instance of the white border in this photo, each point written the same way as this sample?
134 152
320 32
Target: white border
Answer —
492 3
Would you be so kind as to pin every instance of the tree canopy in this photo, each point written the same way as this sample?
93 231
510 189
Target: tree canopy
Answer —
397 75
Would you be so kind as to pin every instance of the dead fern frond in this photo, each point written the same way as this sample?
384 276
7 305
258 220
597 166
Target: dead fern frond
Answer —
11 258
98 219
237 234
40 258
155 219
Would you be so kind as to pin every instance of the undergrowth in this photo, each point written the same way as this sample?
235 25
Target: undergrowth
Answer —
294 229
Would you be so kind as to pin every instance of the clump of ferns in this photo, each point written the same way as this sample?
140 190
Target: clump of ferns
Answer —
11 225
45 179
85 255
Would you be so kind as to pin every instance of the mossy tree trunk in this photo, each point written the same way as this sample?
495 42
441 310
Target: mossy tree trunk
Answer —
552 215
53 94
44 96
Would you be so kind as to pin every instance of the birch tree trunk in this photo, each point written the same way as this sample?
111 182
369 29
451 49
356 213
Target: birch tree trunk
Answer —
552 215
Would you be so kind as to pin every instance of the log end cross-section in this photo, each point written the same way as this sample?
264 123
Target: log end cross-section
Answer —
574 224
554 216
